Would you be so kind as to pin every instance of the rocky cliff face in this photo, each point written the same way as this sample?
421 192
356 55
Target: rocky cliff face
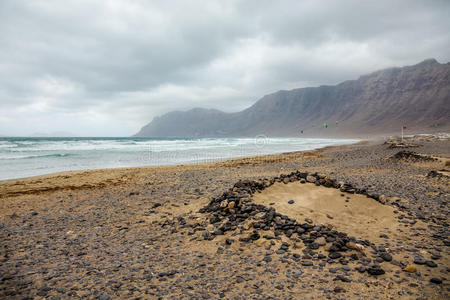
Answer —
378 103
195 122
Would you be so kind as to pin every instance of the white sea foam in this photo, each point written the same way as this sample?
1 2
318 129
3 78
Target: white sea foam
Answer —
21 157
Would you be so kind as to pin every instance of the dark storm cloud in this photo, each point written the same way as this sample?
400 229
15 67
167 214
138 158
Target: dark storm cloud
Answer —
108 67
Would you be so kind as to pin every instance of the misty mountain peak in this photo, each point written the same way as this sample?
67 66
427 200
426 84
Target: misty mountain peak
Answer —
379 102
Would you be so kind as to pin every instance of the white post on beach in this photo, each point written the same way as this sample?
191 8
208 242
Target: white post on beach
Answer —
402 133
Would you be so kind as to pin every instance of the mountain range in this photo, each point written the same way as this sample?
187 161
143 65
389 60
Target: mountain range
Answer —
379 103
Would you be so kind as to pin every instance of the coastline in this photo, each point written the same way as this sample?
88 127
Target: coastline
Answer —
141 230
79 179
29 157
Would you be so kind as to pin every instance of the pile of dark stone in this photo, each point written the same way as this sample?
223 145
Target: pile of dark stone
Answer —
399 144
235 207
413 156
437 174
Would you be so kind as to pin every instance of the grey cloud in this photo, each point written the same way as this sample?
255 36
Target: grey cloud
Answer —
101 62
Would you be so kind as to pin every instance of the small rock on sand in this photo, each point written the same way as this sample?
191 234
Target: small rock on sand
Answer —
310 178
375 270
436 280
410 269
320 241
355 246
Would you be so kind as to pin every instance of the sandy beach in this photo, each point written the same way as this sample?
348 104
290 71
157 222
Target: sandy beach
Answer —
361 221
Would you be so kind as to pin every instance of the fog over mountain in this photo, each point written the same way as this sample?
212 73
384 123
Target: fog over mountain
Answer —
417 96
107 67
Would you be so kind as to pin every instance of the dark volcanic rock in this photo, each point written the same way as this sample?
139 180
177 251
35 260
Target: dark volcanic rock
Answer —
267 259
375 270
342 278
431 264
334 255
419 260
436 280
386 256
339 289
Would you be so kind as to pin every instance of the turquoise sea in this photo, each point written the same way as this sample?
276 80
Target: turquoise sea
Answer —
23 157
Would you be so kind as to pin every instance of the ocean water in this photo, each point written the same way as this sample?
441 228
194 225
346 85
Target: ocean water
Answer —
24 157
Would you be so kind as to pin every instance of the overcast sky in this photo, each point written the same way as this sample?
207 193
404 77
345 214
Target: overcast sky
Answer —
107 67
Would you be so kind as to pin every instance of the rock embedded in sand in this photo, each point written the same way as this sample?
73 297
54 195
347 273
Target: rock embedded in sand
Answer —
436 280
267 259
255 236
436 256
431 264
339 289
342 278
419 260
291 201
375 270
410 269
334 255
313 246
386 256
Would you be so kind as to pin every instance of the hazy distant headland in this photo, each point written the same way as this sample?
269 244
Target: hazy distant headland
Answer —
378 103
53 134
44 134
